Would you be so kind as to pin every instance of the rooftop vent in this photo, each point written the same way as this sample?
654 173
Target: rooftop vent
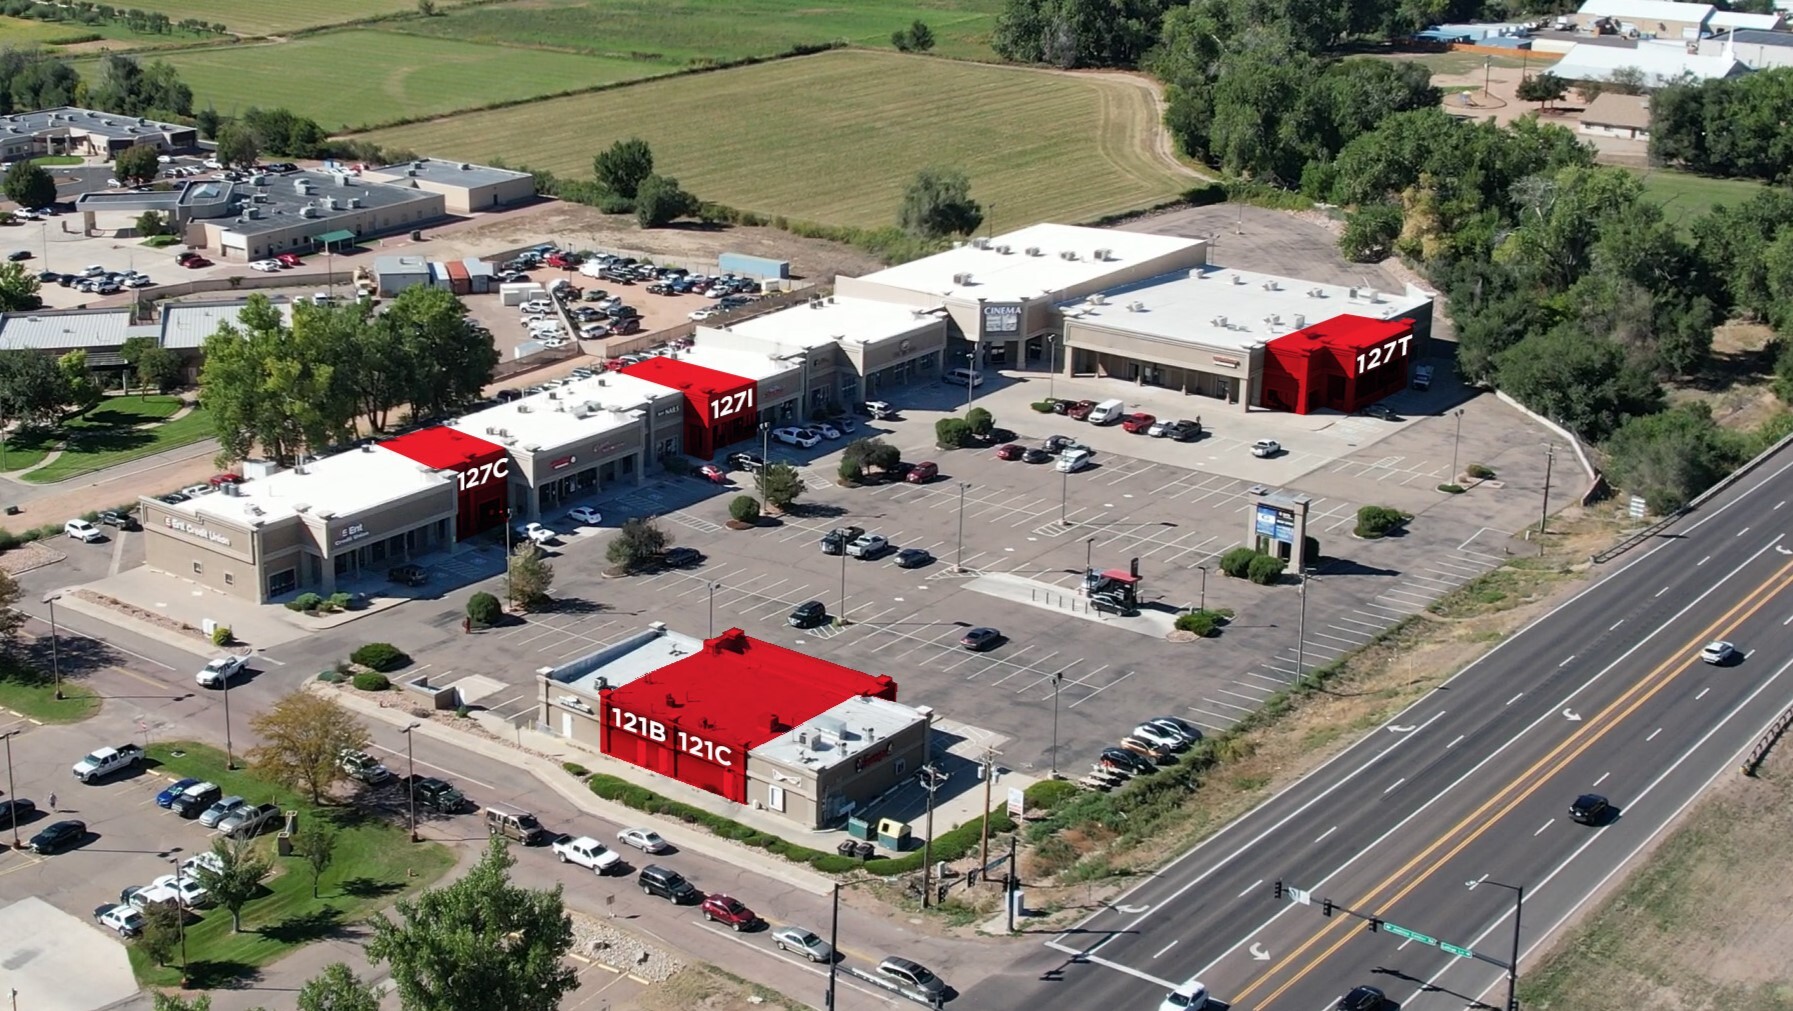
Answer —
1101 255
981 242
1300 321
1136 307
1067 255
1352 293
354 201
1033 251
1098 299
1316 293
417 164
1238 280
961 279
1272 286
342 179
1218 321
1005 249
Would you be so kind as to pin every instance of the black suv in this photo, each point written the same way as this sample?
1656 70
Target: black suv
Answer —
439 795
408 575
123 521
808 614
1590 809
835 541
192 805
669 885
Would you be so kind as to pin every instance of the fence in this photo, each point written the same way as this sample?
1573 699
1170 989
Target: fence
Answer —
1766 744
146 298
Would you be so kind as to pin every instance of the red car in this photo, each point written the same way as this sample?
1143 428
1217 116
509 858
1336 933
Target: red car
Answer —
1012 451
1080 410
722 909
196 262
712 473
922 472
1137 423
218 480
289 259
562 260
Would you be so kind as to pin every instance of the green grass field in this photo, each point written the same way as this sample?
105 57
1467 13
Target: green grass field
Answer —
372 865
22 32
361 78
32 693
108 435
685 31
1685 197
255 19
835 137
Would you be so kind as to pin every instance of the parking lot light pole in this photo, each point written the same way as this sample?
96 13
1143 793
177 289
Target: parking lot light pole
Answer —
230 761
765 460
1064 495
508 598
1455 442
1204 603
959 560
971 376
180 910
842 620
1301 628
10 790
1051 363
833 939
1512 966
1058 678
713 588
55 647
411 777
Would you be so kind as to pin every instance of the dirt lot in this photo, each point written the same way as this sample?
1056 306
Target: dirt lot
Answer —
1703 925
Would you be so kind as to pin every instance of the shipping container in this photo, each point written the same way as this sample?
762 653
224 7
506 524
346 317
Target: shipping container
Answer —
439 276
753 266
458 281
517 294
480 275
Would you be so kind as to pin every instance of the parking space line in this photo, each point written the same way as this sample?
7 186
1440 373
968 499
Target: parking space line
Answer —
1348 642
1278 682
1228 705
1234 694
1100 690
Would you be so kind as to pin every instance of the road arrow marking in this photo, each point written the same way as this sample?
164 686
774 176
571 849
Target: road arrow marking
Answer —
1572 716
1402 730
1258 952
1131 909
1784 551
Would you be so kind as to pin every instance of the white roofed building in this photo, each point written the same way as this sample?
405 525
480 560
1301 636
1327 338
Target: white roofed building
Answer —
1666 19
1659 65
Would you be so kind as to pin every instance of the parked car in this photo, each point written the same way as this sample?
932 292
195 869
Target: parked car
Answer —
288 259
912 975
196 262
712 473
1010 451
644 839
922 472
879 410
1073 460
165 798
83 531
537 533
16 809
804 942
729 910
1138 424
266 266
1079 411
796 437
586 515
186 890
438 795
588 853
980 638
246 822
19 254
808 614
1035 454
123 521
868 546
364 767
1182 430
678 558
223 808
1127 761
58 836
408 575
835 541
120 919
1263 449
913 558
746 461
197 799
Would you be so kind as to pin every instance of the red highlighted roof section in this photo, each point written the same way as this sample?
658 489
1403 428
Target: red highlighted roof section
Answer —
699 384
1344 332
443 448
743 692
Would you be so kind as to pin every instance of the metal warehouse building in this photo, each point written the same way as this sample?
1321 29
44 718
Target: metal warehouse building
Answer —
741 718
463 186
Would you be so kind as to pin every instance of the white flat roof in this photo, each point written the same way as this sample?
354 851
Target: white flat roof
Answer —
832 321
1660 65
1647 10
1016 276
564 414
850 728
346 484
746 364
188 324
1222 307
631 658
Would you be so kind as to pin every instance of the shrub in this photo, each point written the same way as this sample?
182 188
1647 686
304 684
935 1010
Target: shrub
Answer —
1049 793
1265 570
1042 406
981 421
951 433
575 769
341 601
369 681
461 711
1451 489
304 602
483 609
744 509
1203 623
1237 562
329 677
221 635
851 472
1377 521
380 656
1479 472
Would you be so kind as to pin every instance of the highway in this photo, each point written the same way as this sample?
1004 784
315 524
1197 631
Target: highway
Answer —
1471 785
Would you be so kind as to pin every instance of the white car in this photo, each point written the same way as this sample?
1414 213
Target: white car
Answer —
123 920
208 860
1160 737
191 893
81 530
1191 996
220 671
320 298
536 306
537 533
586 515
824 429
212 163
266 266
698 316
643 839
1263 449
1719 652
553 342
796 437
138 281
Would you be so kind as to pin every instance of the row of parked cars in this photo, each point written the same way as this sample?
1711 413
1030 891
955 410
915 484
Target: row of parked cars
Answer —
1152 743
96 280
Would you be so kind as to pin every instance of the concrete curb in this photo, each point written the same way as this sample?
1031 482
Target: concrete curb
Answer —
575 793
119 619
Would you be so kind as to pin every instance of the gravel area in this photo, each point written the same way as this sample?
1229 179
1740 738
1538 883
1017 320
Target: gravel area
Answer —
605 942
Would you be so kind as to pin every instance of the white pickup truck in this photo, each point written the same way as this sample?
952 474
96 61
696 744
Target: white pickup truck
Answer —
106 761
586 852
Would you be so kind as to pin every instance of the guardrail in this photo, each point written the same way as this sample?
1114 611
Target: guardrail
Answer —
891 986
1760 752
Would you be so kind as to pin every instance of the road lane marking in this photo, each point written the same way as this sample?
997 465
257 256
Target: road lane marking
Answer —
1702 561
1702 693
1165 949
1566 660
1546 825
1615 624
1581 739
1745 530
1653 734
1391 786
1519 696
1455 741
1084 956
1326 833
1258 882
1662 591
1602 778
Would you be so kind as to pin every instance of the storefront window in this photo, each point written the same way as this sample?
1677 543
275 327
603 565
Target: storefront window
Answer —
284 581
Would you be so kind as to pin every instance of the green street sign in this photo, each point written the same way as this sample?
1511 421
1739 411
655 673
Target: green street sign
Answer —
1412 935
1453 949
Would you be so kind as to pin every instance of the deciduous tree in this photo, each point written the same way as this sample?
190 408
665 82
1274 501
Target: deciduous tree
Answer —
161 932
137 164
238 877
623 167
315 842
530 577
31 389
780 484
29 184
938 203
638 543
337 988
238 146
1542 88
660 201
303 738
79 391
478 944
18 289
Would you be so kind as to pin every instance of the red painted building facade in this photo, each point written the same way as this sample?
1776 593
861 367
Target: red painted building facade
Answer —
1343 364
720 408
481 468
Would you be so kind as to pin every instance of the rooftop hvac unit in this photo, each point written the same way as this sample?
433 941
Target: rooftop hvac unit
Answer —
354 201
1136 307
342 179
1005 250
491 430
1353 292
1067 255
1101 255
1272 286
308 211
329 203
1033 250
1098 299
1373 295
410 172
981 242
1218 321
521 409
254 212
302 185
1316 293
1300 321
417 164
1238 280
1275 320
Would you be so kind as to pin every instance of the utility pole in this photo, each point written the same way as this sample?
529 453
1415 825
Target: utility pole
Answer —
1301 630
833 946
1544 512
1014 883
959 561
927 837
1455 443
12 791
55 650
411 777
230 761
1058 678
983 850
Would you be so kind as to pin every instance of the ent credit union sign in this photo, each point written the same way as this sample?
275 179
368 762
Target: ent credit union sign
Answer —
660 733
195 530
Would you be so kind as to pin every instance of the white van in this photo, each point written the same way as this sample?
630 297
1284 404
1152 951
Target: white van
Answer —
1107 412
963 377
1073 460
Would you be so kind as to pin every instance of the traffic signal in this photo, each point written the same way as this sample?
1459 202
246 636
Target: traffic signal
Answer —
1326 907
1279 889
1375 925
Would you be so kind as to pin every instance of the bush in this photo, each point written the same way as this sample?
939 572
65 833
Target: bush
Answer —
981 421
461 711
1202 622
851 472
484 610
1451 489
1265 570
744 509
329 677
1479 472
1377 521
368 681
1049 793
951 433
341 601
575 769
221 635
304 602
380 656
1237 562
1042 406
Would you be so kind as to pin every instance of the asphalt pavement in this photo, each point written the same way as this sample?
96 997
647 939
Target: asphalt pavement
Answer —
1471 784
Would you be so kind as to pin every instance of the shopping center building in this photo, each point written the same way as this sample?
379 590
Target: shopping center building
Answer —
756 723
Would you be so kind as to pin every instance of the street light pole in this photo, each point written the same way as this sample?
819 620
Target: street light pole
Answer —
181 915
713 588
1057 678
11 791
1051 363
1064 495
230 761
833 941
843 586
1544 513
509 594
55 647
927 836
411 777
959 560
1089 548
971 376
1518 909
765 460
1455 443
1204 603
1301 630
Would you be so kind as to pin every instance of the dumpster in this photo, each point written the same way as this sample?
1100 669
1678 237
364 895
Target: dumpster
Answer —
893 834
859 828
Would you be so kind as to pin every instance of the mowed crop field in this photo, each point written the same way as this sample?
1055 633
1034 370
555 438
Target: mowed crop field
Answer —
359 78
836 137
680 32
269 17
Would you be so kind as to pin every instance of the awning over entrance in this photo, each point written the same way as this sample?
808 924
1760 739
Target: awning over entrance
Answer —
341 235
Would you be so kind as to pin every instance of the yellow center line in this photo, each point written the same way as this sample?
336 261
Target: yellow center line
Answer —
1584 736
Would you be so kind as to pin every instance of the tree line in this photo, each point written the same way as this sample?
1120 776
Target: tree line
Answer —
1731 127
293 390
86 12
